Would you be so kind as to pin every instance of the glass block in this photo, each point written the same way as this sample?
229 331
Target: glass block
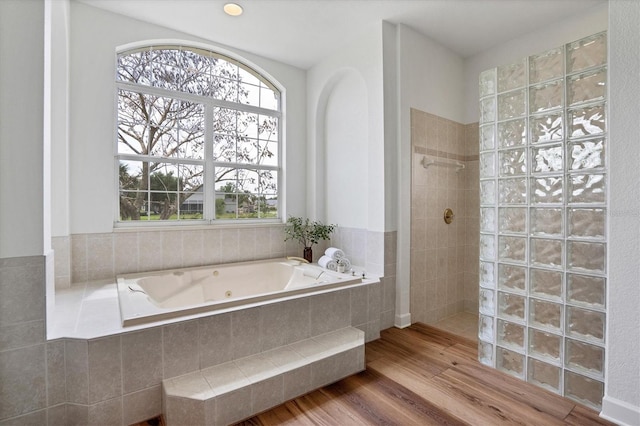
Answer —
487 192
547 221
512 278
487 164
510 335
546 284
546 128
512 220
547 252
585 155
586 256
586 53
511 105
587 121
587 223
512 191
588 188
487 219
512 248
487 275
487 137
587 87
545 314
512 162
512 76
545 345
545 97
584 390
487 110
511 306
487 247
485 328
487 82
586 290
546 159
510 362
512 133
585 324
546 66
487 302
583 357
544 375
546 190
485 353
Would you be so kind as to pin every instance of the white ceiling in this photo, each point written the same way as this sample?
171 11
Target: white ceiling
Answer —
303 32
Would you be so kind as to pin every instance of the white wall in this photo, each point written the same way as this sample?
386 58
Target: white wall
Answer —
346 135
429 79
581 25
622 389
95 35
359 60
59 114
21 128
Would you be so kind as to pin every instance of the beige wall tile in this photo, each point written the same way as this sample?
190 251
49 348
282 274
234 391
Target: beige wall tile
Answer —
329 311
233 406
142 405
214 335
22 334
182 411
246 244
36 418
125 252
141 359
22 369
106 413
267 393
180 348
77 371
100 256
172 254
105 374
246 335
56 415
56 379
150 251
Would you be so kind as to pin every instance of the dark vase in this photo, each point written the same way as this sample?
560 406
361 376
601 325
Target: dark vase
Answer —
308 254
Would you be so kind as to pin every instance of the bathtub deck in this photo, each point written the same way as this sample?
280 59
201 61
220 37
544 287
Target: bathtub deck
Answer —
421 375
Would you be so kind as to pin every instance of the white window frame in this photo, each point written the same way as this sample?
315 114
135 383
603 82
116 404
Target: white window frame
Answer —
208 162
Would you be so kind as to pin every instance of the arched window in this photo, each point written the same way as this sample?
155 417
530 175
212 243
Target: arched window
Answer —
198 137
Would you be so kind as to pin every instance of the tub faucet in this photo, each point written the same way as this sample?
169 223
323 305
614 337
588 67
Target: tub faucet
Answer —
298 259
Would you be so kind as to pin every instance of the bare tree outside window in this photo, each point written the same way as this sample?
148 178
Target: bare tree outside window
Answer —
195 128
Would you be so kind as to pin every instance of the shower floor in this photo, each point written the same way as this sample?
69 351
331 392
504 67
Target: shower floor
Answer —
464 324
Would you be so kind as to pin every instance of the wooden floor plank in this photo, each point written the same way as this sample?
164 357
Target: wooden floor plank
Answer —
424 376
541 400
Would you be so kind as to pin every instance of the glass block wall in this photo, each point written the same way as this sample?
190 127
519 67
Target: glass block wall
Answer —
543 197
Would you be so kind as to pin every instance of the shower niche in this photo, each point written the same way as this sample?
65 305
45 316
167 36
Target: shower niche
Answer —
543 209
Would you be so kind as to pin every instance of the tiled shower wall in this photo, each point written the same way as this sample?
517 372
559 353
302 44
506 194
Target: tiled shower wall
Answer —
543 217
444 267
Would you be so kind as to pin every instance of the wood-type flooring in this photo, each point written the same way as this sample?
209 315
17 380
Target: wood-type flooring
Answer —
424 376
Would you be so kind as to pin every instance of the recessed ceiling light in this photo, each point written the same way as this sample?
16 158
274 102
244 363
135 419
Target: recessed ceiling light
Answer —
233 9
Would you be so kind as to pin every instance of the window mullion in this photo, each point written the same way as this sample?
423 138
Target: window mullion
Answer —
209 168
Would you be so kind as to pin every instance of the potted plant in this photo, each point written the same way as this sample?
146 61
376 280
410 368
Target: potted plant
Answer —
307 233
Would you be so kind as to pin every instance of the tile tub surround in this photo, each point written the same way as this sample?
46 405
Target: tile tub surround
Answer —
97 258
116 377
89 257
444 267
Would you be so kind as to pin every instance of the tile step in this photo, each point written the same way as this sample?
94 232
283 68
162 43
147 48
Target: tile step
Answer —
229 392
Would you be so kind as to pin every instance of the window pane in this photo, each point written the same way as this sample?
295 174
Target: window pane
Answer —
269 98
249 94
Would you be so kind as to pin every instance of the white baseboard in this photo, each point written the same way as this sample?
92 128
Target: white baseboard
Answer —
620 412
403 321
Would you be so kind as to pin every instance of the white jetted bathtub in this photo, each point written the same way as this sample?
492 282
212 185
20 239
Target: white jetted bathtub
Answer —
155 296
